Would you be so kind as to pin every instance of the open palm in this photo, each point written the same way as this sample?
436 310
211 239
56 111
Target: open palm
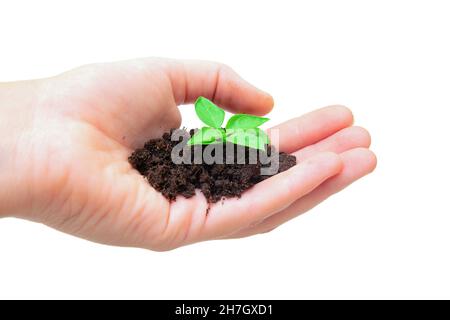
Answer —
86 122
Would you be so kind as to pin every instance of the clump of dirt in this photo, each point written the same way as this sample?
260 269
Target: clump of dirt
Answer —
216 181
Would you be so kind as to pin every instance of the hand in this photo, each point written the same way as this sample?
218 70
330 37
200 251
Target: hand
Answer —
65 141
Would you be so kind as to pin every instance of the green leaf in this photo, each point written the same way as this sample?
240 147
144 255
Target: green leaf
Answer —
263 135
252 138
206 135
245 121
209 113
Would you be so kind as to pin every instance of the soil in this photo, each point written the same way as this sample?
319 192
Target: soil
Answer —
216 181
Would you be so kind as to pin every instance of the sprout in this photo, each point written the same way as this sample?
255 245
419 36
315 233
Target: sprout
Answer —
241 129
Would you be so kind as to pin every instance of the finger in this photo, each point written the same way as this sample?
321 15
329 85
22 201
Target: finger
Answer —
270 195
186 214
357 163
343 140
218 82
311 127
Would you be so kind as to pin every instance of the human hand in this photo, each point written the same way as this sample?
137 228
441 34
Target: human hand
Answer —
65 141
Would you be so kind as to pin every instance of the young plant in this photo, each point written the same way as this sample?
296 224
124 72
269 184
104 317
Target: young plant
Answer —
241 129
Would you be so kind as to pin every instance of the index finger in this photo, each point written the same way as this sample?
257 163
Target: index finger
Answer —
270 195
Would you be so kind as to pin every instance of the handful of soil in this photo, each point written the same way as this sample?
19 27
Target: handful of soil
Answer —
216 181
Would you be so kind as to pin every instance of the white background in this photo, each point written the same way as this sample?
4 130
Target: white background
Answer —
386 236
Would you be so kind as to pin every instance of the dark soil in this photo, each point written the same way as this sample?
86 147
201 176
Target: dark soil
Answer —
216 181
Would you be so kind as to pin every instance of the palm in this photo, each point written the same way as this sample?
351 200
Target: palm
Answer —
108 110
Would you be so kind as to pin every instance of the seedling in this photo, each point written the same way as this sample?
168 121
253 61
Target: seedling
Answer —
241 129
224 178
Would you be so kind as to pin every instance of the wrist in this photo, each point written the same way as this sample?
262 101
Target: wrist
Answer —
15 123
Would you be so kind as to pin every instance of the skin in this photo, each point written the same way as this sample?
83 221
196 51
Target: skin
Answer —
65 141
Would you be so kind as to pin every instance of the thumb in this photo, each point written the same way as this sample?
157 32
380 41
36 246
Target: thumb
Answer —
217 82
